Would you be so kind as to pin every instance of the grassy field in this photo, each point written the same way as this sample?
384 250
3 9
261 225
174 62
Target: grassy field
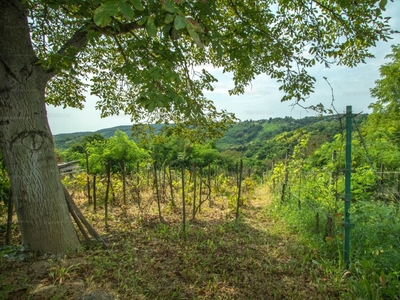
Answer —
255 257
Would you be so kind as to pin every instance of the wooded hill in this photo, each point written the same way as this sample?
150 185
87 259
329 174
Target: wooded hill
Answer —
64 140
253 139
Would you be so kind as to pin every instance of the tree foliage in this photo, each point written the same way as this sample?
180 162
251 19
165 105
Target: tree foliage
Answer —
116 150
387 89
383 123
147 58
78 149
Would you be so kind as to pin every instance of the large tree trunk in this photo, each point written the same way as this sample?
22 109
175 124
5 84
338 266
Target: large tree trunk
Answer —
26 141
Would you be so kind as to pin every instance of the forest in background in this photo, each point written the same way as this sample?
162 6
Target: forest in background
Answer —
258 142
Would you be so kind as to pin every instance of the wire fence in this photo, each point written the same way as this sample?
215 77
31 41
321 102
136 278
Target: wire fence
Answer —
316 191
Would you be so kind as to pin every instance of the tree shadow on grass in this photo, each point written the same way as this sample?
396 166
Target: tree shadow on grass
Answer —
216 259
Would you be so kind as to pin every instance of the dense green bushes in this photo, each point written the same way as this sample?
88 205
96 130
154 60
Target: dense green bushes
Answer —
309 192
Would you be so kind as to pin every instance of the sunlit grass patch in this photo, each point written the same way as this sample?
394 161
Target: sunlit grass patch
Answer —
254 257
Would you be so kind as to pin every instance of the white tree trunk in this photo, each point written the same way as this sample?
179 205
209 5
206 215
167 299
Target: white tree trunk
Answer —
26 141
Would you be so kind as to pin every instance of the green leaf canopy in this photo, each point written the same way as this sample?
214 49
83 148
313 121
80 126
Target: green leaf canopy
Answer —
151 59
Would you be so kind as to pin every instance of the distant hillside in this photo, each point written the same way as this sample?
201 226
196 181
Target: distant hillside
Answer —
260 140
253 139
239 136
64 140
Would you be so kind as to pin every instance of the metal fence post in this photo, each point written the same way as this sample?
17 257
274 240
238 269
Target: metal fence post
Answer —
347 225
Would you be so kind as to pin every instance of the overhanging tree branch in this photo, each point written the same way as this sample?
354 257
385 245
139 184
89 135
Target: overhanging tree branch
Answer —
332 12
79 40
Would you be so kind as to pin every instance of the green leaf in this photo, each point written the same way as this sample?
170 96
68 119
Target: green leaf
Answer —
166 30
168 18
102 15
169 6
101 19
220 51
151 106
126 10
194 25
155 73
54 5
193 34
382 4
138 5
179 22
175 34
143 20
151 28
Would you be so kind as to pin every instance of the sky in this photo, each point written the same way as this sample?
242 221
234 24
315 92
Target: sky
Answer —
261 100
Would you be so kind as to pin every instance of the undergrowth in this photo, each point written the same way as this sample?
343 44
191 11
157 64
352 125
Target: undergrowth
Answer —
374 268
254 257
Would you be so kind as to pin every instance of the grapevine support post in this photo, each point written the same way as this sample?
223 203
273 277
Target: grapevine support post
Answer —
123 167
347 225
239 184
156 183
194 190
87 176
183 202
108 170
285 182
171 187
94 194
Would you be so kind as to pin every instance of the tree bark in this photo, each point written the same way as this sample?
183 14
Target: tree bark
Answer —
26 141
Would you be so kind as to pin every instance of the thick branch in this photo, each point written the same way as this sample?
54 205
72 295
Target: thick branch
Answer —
16 52
79 39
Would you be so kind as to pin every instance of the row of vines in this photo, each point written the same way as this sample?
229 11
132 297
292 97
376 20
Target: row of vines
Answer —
166 182
154 189
309 192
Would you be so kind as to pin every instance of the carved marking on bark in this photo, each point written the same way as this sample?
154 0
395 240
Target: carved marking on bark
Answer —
32 140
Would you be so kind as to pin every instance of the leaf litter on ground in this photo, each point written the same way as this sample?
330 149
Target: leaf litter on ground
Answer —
255 257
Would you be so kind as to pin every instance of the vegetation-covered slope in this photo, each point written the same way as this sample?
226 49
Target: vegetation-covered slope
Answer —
269 139
248 137
64 140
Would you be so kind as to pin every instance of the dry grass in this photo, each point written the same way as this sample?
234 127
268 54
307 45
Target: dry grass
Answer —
219 258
